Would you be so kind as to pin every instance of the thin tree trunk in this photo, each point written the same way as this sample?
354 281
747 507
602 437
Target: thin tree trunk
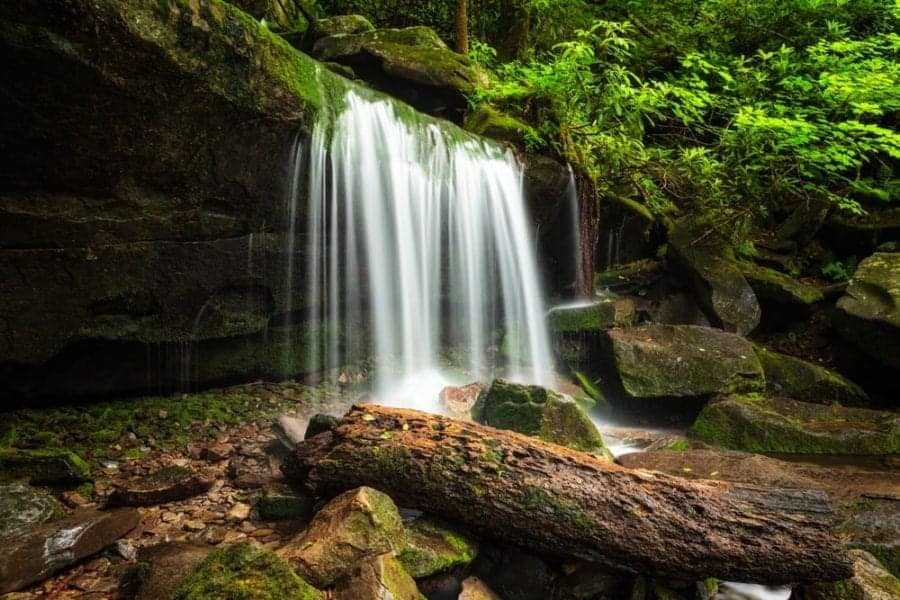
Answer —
518 489
588 234
462 27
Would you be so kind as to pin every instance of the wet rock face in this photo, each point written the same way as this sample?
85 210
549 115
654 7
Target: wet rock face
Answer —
23 507
459 400
44 466
870 582
378 578
868 315
658 361
52 547
434 548
808 382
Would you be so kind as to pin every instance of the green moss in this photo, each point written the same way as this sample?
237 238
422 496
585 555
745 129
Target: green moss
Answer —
807 382
678 445
769 283
638 269
489 122
43 465
244 572
433 548
593 317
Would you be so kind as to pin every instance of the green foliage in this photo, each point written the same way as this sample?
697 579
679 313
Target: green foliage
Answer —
840 271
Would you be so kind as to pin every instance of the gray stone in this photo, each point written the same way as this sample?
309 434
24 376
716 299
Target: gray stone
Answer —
23 507
169 484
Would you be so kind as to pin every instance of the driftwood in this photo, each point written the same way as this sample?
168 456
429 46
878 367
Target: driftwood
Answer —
518 489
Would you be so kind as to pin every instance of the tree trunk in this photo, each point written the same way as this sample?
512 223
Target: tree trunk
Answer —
520 490
588 234
462 26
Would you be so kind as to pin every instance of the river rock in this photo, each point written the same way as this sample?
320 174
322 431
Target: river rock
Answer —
699 254
355 526
539 412
475 589
54 546
433 548
868 315
377 578
159 568
654 361
873 524
281 502
459 400
23 507
169 484
342 25
870 582
778 288
766 425
808 382
44 466
244 570
592 317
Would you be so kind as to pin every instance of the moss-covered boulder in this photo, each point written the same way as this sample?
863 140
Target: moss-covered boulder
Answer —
281 502
246 571
282 16
433 548
868 315
870 582
873 525
489 122
540 412
778 288
591 317
160 567
697 252
378 578
808 382
342 25
48 466
655 361
755 423
354 527
413 64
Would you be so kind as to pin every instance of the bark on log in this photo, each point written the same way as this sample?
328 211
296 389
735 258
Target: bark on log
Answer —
520 490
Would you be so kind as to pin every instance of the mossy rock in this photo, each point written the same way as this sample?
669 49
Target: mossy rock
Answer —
539 412
868 315
434 548
320 423
776 425
870 582
873 525
658 361
489 122
639 271
281 503
49 466
353 527
769 284
342 25
379 578
282 16
23 507
807 382
593 317
245 572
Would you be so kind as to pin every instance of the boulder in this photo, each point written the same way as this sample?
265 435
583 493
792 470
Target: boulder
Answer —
160 567
539 412
706 262
870 582
282 16
49 466
413 64
475 589
23 507
767 425
355 526
778 288
873 525
654 361
868 315
591 317
281 503
320 423
244 571
41 552
342 25
377 578
808 382
168 484
514 574
459 400
433 548
860 235
489 122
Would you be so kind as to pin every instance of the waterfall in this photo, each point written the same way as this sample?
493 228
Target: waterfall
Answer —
418 241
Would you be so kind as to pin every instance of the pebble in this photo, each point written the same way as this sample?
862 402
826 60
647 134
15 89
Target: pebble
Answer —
126 549
194 525
168 517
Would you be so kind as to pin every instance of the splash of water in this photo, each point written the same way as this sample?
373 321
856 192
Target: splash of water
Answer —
417 241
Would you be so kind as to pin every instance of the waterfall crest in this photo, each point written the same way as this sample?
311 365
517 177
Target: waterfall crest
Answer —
418 241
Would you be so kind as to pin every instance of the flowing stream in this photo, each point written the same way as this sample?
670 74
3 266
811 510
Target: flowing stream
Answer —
418 241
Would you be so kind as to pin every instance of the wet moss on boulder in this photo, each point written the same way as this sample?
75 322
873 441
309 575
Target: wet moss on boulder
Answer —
245 571
592 317
870 582
769 284
801 380
48 466
434 548
489 122
539 412
754 423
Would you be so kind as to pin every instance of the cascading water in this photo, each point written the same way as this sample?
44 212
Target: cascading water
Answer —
419 241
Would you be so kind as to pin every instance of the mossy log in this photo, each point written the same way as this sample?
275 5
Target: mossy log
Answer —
521 490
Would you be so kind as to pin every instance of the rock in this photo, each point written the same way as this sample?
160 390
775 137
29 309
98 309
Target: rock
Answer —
807 382
873 525
539 412
868 315
593 317
358 525
514 574
169 484
433 548
444 586
239 512
413 64
73 499
217 452
475 589
23 507
377 578
778 288
697 253
637 274
160 567
589 582
280 503
45 466
320 423
342 25
289 430
126 549
282 16
654 361
459 400
489 122
870 582
194 525
860 235
244 571
41 552
765 425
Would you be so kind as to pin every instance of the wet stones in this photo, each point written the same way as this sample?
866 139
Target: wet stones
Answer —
169 484
23 507
433 548
44 466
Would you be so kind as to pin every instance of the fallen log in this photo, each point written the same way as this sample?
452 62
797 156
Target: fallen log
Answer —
549 498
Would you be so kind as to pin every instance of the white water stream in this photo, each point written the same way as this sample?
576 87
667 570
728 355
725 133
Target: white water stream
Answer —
418 241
